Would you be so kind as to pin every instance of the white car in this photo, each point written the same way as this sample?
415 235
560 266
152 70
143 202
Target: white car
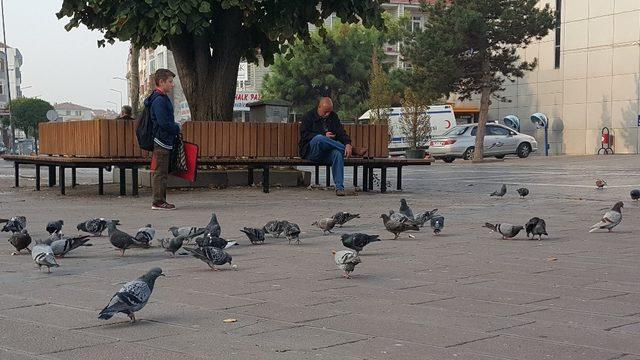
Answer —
499 141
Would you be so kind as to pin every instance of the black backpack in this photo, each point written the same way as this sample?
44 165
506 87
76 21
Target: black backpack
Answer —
144 131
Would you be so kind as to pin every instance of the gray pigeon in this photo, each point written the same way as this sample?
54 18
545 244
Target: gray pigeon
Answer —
63 246
213 229
610 219
523 192
53 237
635 194
174 244
507 231
118 238
20 240
437 224
144 236
132 297
325 224
95 226
211 256
256 236
358 241
189 232
292 232
346 261
342 218
405 209
397 227
54 226
275 227
15 224
396 216
423 217
219 243
501 193
536 226
43 256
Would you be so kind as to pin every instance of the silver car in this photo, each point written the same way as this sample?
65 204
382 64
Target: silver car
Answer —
499 141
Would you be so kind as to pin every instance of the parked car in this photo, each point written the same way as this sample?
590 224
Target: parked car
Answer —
2 149
499 141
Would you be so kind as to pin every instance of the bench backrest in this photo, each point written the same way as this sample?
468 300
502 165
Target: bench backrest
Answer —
116 138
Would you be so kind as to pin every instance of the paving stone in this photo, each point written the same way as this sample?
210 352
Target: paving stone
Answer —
606 307
120 350
482 307
54 315
574 318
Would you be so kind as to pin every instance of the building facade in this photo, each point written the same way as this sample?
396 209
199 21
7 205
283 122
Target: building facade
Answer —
72 112
12 61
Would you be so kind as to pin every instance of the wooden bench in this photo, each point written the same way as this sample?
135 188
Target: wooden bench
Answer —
102 144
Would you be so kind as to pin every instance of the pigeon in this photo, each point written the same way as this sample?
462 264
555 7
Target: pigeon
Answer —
145 235
358 241
507 231
275 227
600 183
212 256
15 224
397 227
95 226
635 194
401 218
219 243
189 232
536 226
405 209
342 218
610 219
523 192
422 217
55 226
346 261
213 228
63 246
501 193
118 238
53 237
174 244
325 224
132 297
437 224
43 256
20 240
256 236
292 232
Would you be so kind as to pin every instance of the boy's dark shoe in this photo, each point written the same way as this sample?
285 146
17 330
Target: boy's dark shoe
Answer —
162 205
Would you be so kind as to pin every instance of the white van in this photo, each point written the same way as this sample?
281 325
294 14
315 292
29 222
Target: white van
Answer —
441 116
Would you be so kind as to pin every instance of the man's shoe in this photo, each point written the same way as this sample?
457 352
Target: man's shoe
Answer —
162 205
360 151
340 192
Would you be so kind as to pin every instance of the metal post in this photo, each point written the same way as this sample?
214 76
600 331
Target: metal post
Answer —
73 177
61 180
370 179
134 181
383 179
327 178
123 182
365 182
100 181
399 179
250 176
546 140
37 177
355 176
12 124
52 176
16 172
317 175
265 179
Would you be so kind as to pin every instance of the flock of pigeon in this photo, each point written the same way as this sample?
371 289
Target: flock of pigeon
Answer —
211 248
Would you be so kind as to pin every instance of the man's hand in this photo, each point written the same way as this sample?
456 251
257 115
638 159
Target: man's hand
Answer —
329 134
348 149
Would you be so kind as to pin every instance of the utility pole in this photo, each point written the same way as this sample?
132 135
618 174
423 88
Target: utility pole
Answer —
6 56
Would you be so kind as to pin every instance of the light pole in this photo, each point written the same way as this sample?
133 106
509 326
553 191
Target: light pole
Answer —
6 56
114 104
126 91
118 91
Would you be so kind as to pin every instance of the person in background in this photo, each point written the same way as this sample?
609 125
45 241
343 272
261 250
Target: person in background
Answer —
126 113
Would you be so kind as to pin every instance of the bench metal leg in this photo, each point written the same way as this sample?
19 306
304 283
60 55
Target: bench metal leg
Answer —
327 173
52 175
37 177
317 175
383 180
16 173
73 177
365 182
370 179
399 179
265 179
123 182
100 181
250 176
61 180
134 181
355 176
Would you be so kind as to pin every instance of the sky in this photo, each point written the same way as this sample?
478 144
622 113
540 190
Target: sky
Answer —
60 66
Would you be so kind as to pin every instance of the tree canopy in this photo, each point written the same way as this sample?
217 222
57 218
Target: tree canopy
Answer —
27 113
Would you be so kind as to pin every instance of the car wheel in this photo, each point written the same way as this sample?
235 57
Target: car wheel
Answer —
524 150
468 154
448 159
500 156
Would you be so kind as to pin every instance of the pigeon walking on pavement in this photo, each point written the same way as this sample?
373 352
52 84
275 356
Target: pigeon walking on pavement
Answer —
213 229
43 256
15 224
145 235
173 245
95 226
292 232
63 246
20 240
523 192
507 231
132 297
437 224
397 227
212 256
537 227
358 241
423 217
219 243
501 192
346 261
119 239
189 232
256 236
405 209
610 219
635 194
275 228
55 226
342 218
325 224
600 183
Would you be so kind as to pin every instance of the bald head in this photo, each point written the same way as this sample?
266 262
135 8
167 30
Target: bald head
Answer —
325 107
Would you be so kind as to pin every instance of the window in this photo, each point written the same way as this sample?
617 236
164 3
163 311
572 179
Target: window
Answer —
152 66
558 33
1 64
68 112
416 23
1 88
497 130
161 61
78 112
456 130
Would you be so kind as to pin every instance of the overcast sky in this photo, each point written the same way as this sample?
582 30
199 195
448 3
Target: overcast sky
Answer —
64 66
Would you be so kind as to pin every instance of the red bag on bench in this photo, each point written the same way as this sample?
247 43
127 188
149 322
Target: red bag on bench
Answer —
191 152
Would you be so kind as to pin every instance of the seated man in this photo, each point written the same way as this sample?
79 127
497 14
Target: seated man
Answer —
324 141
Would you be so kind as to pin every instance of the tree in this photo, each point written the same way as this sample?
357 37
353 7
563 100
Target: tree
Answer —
336 65
27 113
380 95
208 38
471 47
415 124
134 78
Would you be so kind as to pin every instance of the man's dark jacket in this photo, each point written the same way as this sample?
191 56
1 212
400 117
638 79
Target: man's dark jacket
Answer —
165 128
312 125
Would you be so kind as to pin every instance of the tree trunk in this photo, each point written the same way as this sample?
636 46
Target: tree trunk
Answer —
134 78
209 77
484 114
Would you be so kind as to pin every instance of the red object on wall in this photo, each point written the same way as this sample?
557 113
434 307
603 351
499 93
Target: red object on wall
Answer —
191 152
605 138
